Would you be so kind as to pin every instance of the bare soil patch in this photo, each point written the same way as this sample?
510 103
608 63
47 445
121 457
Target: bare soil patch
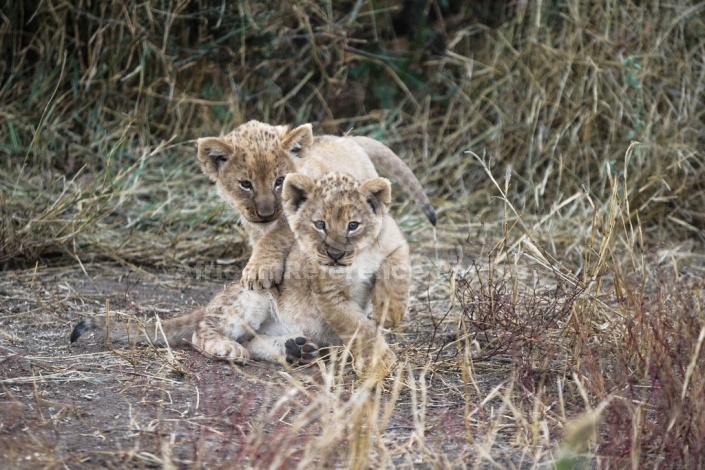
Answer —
85 405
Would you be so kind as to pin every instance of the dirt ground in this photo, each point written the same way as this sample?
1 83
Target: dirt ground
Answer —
87 405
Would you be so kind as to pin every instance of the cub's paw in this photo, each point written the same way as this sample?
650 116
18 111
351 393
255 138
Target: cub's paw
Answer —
262 275
300 351
223 349
385 310
378 360
229 351
386 358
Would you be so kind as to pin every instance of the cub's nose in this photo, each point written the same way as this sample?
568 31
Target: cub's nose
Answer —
334 254
265 213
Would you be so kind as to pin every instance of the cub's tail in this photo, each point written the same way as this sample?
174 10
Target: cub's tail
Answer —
175 331
389 163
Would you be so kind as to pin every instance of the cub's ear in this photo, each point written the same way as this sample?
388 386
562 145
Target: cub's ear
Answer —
298 142
213 154
296 190
378 192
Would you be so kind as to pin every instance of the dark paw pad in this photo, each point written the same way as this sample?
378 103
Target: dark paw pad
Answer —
300 351
78 330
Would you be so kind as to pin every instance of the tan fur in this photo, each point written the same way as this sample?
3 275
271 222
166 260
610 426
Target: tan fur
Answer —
374 265
260 153
320 298
323 299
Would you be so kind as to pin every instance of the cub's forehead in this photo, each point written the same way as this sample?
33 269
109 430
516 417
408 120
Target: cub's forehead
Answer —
337 183
257 137
257 148
337 188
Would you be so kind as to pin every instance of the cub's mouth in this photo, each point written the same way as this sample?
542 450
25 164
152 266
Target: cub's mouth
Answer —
263 221
254 218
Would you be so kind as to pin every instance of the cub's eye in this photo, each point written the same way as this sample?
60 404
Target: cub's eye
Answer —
279 182
353 226
244 184
320 225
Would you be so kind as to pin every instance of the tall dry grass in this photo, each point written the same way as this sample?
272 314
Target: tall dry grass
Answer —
114 94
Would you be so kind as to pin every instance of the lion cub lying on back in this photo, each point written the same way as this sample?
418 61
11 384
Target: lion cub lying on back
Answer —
348 252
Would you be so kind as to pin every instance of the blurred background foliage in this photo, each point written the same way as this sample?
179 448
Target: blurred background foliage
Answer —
101 102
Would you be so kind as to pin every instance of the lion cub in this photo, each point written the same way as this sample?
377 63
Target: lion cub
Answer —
249 165
349 254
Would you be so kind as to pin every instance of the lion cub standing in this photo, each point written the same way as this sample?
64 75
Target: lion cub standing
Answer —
348 254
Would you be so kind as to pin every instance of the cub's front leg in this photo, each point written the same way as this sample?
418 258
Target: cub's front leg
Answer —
266 266
390 293
370 351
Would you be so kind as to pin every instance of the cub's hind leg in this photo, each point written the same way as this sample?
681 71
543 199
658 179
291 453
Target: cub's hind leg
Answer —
390 293
208 340
232 317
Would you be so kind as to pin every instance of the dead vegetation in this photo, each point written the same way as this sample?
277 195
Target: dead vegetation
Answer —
557 316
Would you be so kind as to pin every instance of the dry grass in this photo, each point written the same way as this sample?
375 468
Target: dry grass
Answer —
557 315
